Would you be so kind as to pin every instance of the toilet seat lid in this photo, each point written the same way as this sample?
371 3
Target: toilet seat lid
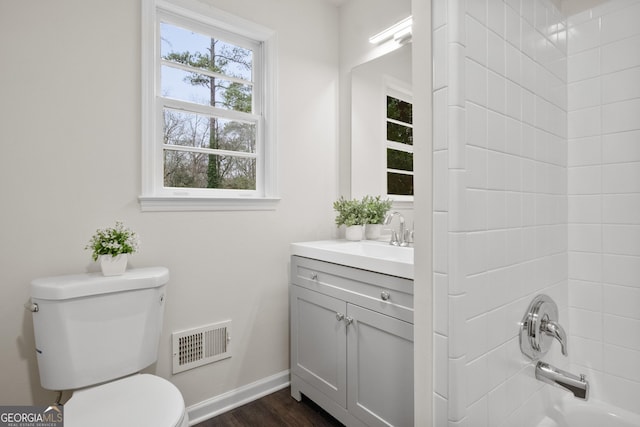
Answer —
135 401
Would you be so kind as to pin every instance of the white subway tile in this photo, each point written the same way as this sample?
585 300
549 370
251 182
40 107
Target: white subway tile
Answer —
583 94
585 151
496 92
496 132
622 301
440 51
512 26
476 333
585 266
496 248
498 410
584 36
495 16
622 362
621 208
585 180
587 352
457 137
477 295
441 176
476 125
477 414
440 410
476 47
455 11
620 55
476 82
621 116
457 388
439 13
478 9
477 377
586 324
622 391
476 252
440 120
441 304
621 269
622 331
496 210
621 239
513 105
441 377
621 147
515 254
583 65
585 122
585 295
585 237
476 172
457 199
496 52
512 63
621 85
621 178
457 93
621 24
440 242
513 175
585 208
476 210
457 338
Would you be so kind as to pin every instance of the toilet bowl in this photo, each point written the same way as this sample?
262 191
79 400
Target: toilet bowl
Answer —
93 335
140 400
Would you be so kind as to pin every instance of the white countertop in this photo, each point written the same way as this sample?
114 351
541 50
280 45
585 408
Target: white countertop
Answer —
371 255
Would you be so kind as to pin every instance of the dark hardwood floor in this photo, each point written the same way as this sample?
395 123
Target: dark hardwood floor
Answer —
275 410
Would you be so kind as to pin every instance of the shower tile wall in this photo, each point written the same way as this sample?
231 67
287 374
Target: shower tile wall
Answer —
500 201
604 199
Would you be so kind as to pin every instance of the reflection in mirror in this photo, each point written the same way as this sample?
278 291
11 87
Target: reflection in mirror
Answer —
382 128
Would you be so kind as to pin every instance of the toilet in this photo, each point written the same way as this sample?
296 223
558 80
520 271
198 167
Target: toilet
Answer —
93 335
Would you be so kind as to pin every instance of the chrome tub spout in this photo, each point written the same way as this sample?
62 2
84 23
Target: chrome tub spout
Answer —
579 386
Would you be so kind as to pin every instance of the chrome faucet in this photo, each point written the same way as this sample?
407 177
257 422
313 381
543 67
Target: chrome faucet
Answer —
400 238
579 386
554 330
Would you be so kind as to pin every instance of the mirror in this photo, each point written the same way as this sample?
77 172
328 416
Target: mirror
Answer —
377 88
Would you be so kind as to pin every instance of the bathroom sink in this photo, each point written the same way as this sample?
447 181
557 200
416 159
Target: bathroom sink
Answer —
371 255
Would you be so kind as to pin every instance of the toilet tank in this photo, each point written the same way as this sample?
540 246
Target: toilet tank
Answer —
90 328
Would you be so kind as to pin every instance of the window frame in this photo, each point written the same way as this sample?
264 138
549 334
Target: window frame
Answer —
396 89
198 17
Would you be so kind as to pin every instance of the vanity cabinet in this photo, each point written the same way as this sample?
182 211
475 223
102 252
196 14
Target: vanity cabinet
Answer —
352 342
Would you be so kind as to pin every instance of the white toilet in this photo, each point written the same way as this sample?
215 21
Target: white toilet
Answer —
93 335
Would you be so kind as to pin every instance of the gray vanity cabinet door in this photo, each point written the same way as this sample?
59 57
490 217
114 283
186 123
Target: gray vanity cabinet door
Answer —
318 345
380 368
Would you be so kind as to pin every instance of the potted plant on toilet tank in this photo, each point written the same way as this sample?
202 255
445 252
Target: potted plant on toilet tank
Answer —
111 246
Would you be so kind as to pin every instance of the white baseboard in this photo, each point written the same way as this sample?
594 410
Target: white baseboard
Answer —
232 399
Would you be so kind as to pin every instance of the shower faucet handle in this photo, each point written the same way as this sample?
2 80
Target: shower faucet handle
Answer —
539 327
554 330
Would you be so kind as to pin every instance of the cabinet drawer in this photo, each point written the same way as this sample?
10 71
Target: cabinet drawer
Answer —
390 295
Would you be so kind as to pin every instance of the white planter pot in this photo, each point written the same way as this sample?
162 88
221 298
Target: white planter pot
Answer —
113 265
373 231
354 232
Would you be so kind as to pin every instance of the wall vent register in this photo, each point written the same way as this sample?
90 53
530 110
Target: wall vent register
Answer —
200 346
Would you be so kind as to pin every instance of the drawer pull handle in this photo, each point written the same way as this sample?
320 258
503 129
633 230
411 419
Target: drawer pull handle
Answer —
348 320
339 316
385 295
314 276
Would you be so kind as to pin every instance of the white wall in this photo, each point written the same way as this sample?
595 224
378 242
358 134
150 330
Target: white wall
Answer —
500 205
70 120
604 199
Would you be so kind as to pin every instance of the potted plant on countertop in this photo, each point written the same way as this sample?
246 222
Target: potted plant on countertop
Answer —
111 246
351 215
375 210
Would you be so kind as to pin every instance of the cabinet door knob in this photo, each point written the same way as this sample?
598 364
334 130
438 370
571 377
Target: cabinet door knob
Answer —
339 316
385 295
314 275
348 320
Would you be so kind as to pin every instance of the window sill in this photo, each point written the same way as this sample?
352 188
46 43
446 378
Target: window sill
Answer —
187 204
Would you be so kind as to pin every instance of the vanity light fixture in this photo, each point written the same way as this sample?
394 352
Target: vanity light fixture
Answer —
399 32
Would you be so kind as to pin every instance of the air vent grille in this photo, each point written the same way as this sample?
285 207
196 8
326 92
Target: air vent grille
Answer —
200 346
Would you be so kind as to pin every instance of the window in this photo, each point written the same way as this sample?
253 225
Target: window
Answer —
399 127
207 93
